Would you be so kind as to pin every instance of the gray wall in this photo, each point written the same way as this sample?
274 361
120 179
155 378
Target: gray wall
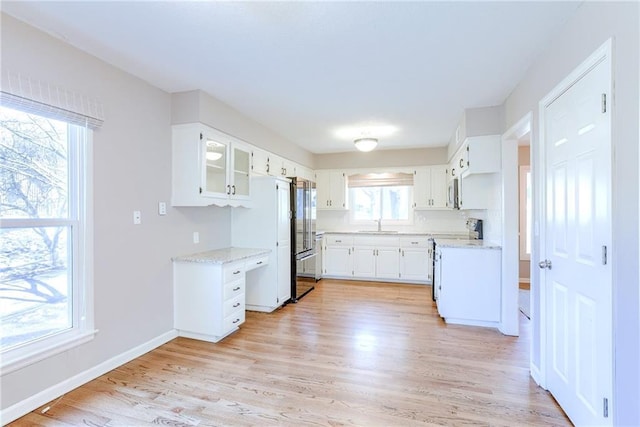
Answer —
132 164
382 158
199 106
593 24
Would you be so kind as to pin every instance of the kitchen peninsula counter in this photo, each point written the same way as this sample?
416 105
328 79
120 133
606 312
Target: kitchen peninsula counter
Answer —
466 244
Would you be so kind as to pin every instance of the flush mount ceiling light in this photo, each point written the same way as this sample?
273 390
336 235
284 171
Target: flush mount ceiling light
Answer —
366 144
213 156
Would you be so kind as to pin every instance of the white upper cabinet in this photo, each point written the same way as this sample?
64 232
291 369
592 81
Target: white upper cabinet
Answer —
260 162
331 187
280 166
209 168
430 187
478 154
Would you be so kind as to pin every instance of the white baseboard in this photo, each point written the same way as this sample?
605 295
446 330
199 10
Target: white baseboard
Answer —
536 375
29 404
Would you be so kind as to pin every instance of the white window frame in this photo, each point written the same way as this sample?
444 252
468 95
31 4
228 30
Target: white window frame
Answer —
81 224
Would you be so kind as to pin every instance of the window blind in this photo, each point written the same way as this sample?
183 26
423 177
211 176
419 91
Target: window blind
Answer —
45 99
380 180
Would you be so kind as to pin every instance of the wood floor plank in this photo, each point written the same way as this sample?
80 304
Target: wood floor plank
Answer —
348 354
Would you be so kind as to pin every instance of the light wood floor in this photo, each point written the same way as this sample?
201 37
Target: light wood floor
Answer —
348 354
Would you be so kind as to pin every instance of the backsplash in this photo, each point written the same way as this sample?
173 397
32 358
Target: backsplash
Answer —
436 221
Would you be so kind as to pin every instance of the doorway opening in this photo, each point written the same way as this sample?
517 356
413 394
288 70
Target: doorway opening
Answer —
525 221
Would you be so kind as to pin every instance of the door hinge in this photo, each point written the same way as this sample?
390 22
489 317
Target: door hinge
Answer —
604 255
604 102
605 407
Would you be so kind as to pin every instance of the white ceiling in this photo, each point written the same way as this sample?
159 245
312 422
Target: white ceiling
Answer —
308 69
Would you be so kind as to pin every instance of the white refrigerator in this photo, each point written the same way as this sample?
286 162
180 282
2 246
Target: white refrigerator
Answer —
266 225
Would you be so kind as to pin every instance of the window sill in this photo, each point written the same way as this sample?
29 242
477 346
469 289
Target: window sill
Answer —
19 358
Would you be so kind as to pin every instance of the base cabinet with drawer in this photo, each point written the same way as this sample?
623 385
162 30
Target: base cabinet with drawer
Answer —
416 259
365 256
337 255
209 300
376 257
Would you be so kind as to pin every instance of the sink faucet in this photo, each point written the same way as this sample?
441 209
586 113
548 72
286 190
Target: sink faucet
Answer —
379 221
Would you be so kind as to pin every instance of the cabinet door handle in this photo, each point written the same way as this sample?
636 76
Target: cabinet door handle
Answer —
236 321
453 172
236 305
228 189
414 243
233 187
374 252
237 288
267 166
259 262
461 163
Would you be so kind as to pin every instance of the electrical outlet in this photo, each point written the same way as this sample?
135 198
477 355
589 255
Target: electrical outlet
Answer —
196 237
162 208
137 217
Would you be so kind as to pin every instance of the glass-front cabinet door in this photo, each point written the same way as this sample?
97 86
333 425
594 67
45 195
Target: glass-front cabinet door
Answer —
215 182
241 172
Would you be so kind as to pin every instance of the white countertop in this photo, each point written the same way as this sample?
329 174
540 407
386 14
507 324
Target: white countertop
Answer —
401 233
466 244
222 256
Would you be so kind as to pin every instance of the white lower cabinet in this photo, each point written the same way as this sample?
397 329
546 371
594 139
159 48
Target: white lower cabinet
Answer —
378 257
337 255
468 285
375 257
208 299
416 259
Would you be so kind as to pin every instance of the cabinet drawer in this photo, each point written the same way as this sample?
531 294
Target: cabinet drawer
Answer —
233 289
338 240
415 242
233 321
233 272
257 262
376 241
233 305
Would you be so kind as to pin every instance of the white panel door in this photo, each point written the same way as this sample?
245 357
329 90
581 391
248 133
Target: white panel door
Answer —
284 243
578 232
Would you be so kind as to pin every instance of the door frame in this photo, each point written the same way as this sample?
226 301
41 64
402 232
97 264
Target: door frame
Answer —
509 324
603 53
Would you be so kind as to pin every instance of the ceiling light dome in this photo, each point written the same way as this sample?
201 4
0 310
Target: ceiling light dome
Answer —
366 144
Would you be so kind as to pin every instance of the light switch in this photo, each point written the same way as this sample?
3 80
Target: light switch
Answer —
137 217
162 208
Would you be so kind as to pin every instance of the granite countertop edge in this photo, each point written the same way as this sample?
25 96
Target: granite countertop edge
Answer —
222 256
402 233
466 244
